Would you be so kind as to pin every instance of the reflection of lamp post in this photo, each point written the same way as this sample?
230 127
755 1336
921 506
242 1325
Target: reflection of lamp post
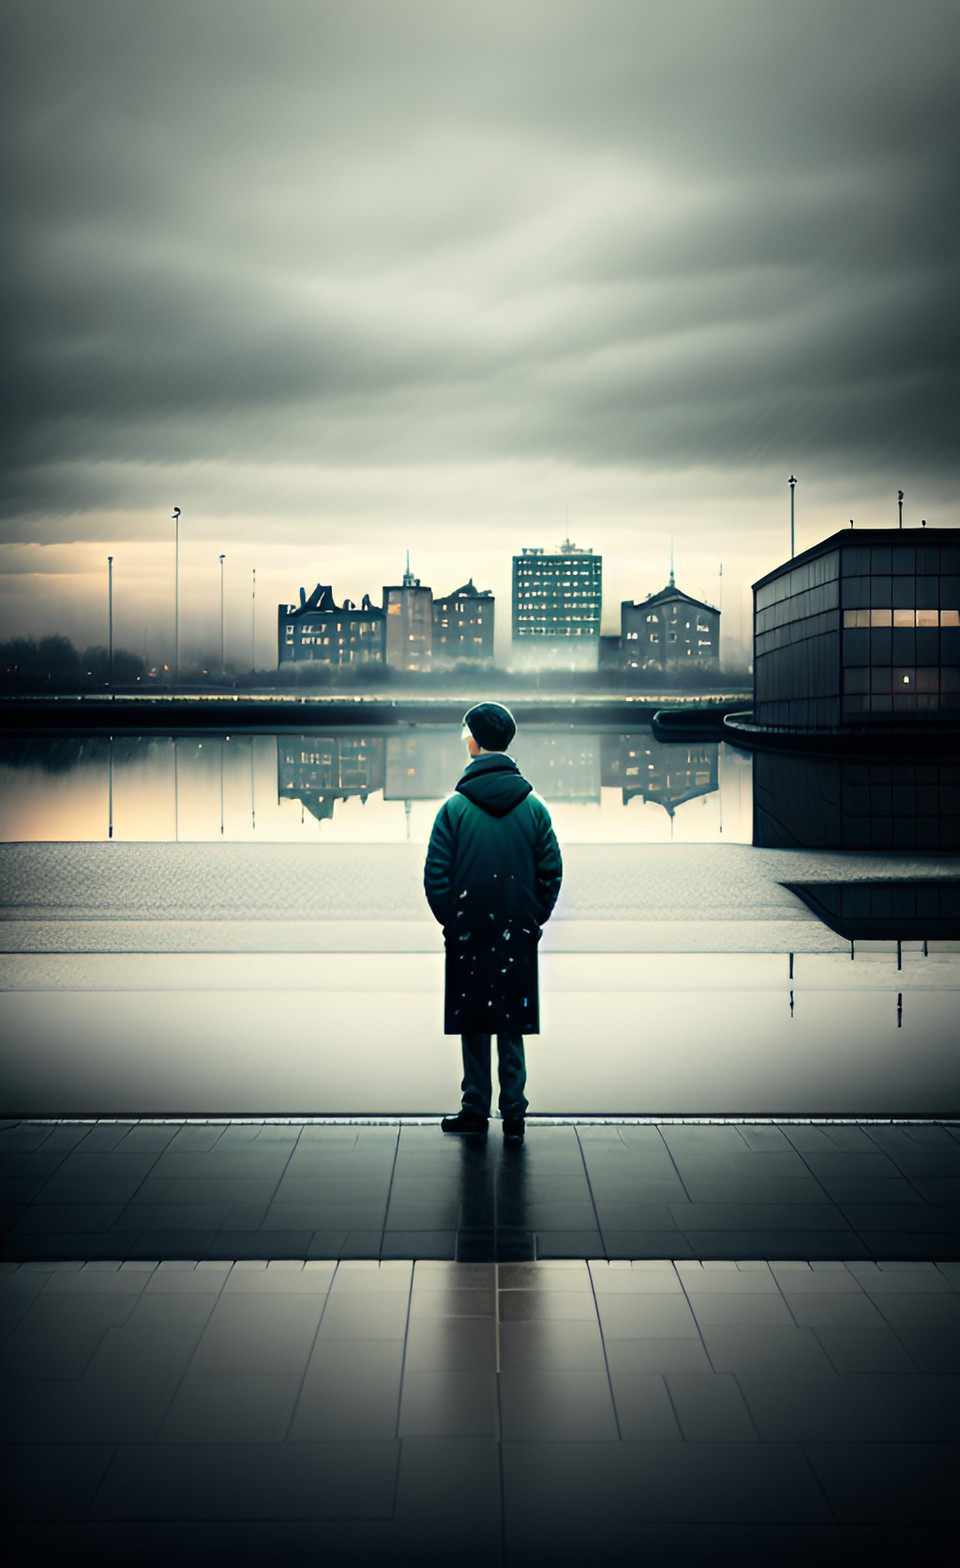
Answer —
253 625
110 621
900 506
793 485
176 596
176 792
222 666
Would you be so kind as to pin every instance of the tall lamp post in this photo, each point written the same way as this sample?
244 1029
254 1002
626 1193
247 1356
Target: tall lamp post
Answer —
222 665
176 597
900 506
110 621
253 624
793 486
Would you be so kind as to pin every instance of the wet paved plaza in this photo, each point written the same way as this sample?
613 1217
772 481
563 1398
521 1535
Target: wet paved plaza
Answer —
554 1402
237 1336
250 1190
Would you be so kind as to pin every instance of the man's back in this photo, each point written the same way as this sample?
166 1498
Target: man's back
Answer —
493 855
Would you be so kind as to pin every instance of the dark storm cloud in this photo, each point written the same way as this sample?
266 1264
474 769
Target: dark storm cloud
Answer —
365 234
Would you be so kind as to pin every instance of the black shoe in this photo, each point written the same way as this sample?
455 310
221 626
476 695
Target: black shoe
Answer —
513 1130
466 1122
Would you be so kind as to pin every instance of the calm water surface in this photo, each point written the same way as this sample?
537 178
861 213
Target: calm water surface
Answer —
346 787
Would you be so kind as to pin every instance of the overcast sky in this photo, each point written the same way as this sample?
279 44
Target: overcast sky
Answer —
344 278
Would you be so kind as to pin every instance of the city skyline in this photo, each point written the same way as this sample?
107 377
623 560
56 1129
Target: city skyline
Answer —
341 282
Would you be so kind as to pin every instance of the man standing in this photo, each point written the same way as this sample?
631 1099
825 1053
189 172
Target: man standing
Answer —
491 877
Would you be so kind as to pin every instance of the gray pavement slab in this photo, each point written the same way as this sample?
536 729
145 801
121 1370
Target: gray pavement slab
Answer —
566 1432
233 1190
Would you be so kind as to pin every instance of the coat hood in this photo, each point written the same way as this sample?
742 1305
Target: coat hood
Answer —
495 784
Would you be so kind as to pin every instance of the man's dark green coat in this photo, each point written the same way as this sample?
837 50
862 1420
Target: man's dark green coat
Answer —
492 877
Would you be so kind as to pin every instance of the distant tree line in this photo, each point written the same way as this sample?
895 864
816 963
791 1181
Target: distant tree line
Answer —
53 663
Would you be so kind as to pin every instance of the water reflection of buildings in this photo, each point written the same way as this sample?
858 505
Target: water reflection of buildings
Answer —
319 770
665 773
834 802
423 764
561 766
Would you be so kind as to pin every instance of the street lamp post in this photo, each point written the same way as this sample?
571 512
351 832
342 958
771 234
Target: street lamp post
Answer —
222 665
793 486
253 624
110 621
176 597
900 506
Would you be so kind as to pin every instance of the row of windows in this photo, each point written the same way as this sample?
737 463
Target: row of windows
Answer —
893 677
926 559
556 631
811 601
902 645
902 593
801 578
569 618
585 575
310 629
904 617
362 633
557 593
901 703
814 627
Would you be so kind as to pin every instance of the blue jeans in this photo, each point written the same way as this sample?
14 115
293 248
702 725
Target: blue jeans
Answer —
476 1085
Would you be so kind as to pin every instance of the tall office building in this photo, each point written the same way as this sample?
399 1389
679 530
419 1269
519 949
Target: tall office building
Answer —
408 608
557 599
463 624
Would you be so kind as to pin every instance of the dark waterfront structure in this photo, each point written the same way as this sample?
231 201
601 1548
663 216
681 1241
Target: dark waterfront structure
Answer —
408 608
319 770
667 774
852 803
669 631
463 624
861 630
556 605
319 631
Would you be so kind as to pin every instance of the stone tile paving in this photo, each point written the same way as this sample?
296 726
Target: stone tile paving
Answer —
407 1412
233 1190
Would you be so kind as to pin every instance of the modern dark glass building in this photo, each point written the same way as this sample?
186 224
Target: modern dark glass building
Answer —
862 629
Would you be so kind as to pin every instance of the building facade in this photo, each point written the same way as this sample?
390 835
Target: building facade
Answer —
463 624
670 631
862 629
318 630
408 610
557 599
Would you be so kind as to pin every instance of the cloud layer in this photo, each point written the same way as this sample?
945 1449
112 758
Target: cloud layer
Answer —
262 247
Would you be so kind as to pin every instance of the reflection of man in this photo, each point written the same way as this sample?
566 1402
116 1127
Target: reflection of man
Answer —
492 877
